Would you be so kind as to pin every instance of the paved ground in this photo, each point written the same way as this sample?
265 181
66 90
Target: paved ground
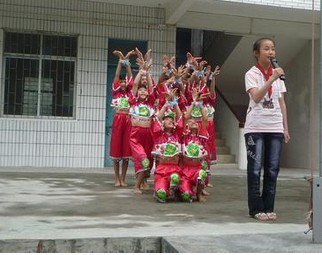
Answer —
71 204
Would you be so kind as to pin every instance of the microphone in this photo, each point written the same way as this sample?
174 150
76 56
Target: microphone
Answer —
275 65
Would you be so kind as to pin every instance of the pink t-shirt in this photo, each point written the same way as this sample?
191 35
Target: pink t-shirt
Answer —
265 116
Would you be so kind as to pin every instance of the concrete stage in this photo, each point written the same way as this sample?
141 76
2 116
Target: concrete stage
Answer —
79 210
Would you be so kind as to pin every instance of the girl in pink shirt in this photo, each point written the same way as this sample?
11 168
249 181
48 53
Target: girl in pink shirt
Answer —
265 128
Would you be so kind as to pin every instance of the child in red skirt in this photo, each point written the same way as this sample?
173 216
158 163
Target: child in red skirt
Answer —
121 127
167 131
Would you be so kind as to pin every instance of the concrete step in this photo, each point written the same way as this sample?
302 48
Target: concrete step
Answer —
224 166
222 150
225 158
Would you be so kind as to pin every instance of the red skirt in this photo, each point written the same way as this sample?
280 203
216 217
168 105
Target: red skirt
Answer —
141 144
211 143
120 137
162 176
190 176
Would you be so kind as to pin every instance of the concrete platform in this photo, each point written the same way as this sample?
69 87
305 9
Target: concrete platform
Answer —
79 210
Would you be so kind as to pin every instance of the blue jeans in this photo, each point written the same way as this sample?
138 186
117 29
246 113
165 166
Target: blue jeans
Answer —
263 149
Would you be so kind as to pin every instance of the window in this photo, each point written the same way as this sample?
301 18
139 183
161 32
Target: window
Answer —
39 74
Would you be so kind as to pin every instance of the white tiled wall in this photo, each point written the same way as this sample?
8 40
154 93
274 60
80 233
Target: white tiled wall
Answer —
78 142
296 4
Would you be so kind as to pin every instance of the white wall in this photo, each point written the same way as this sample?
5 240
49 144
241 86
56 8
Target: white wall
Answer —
228 126
296 61
78 142
300 4
298 152
232 83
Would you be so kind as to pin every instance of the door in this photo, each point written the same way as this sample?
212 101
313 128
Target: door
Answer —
124 46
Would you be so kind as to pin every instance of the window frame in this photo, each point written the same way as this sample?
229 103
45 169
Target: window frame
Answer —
40 58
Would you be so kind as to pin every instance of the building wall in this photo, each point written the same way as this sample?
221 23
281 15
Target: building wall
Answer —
299 152
78 142
297 4
228 127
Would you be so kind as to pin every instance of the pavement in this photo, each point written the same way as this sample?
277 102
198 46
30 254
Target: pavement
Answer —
80 210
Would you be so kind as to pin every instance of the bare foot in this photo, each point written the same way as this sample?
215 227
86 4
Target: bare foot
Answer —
137 191
205 192
123 184
210 185
117 184
201 198
144 185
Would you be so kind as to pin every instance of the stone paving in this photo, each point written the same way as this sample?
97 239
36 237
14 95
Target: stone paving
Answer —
76 207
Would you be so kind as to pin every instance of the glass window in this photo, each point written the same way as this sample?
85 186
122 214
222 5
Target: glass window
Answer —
57 88
53 94
22 43
20 92
60 46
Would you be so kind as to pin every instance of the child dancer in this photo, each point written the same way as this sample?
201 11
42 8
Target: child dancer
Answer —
194 153
167 131
171 78
207 96
209 102
142 111
121 127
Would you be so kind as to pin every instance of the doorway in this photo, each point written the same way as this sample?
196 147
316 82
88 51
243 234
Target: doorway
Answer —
124 46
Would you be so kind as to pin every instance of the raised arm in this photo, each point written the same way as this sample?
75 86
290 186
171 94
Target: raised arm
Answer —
137 81
169 97
149 81
162 111
194 101
127 64
119 65
177 111
204 117
166 69
258 94
170 101
212 79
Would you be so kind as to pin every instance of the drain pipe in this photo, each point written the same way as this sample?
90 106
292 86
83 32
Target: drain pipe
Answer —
317 182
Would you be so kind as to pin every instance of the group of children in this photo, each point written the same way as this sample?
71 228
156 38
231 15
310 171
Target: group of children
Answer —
170 123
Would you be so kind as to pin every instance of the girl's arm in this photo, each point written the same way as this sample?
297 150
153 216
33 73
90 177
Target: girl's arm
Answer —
163 76
188 112
284 114
177 112
195 98
128 71
258 94
149 81
204 117
162 111
213 76
128 66
118 71
119 65
136 82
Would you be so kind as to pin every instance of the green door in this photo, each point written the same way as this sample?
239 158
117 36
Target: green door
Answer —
124 46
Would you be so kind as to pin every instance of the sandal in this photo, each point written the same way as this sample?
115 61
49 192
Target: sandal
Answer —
271 216
261 216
